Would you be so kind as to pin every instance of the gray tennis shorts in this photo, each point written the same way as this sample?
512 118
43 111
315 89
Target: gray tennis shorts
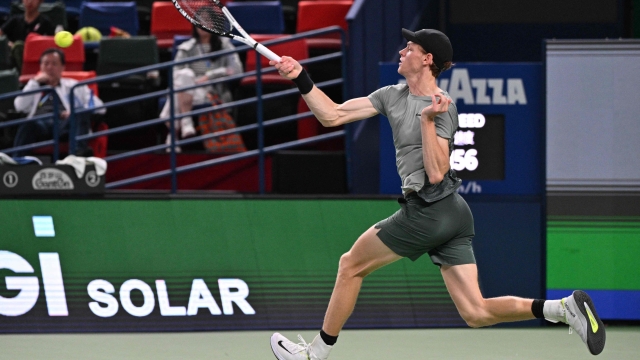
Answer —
443 229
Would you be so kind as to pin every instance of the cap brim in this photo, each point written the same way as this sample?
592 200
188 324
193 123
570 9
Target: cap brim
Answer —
409 35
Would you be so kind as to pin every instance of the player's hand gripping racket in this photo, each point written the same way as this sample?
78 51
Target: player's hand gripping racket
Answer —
212 16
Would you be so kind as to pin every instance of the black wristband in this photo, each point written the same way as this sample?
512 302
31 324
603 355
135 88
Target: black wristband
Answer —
303 82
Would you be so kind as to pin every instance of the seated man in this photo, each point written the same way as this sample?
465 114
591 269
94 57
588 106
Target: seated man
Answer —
19 26
51 68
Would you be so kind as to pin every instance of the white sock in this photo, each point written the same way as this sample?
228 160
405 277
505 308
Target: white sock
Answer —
319 348
553 311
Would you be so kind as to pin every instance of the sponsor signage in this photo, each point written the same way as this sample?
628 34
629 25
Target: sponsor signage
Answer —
153 265
106 303
50 179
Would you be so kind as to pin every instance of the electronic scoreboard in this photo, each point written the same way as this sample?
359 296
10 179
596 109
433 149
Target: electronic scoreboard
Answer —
479 147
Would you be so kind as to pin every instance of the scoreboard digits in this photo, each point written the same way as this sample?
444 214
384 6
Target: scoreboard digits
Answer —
479 147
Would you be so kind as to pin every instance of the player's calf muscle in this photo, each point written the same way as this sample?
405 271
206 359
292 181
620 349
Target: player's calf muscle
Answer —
497 310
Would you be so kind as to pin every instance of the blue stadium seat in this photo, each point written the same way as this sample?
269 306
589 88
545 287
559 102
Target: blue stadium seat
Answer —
104 15
5 10
258 17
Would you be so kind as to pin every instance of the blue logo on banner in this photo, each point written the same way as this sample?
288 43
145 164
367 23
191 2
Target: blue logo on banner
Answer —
43 226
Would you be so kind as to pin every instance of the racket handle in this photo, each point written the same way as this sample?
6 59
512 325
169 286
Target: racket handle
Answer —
267 53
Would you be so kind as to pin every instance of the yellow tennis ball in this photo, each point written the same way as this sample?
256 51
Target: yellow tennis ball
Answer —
89 34
63 39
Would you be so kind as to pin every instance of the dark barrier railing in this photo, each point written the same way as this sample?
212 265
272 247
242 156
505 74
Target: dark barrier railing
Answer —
174 170
56 120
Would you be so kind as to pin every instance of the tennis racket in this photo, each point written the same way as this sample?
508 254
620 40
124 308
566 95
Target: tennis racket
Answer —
212 16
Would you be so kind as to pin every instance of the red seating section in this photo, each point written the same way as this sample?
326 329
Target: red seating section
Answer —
166 22
34 46
314 15
99 144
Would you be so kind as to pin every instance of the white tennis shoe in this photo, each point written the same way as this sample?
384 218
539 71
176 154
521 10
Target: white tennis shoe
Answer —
580 314
285 349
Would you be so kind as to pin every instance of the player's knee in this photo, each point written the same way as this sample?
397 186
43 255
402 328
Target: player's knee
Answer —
473 322
345 266
348 267
184 77
475 318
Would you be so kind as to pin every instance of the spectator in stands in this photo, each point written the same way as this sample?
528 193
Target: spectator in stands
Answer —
199 72
51 67
19 26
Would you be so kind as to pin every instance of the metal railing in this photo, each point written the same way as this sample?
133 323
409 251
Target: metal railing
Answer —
174 170
21 121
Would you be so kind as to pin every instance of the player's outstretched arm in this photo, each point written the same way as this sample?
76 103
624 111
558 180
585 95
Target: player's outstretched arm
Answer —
326 111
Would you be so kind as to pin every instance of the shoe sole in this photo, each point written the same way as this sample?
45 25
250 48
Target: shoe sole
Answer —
597 339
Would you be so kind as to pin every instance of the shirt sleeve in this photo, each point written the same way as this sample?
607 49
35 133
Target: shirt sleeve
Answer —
25 103
233 61
379 99
180 54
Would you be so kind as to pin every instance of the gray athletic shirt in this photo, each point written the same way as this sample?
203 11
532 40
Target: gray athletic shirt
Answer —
401 107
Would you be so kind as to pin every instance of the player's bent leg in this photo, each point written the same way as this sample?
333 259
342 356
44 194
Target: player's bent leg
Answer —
577 310
366 255
462 284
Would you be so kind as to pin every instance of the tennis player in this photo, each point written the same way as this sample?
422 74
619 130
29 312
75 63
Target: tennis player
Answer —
433 217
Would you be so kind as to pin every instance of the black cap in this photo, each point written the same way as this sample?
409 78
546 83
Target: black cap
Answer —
434 42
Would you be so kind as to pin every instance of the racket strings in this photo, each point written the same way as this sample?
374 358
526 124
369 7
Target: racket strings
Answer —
207 15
